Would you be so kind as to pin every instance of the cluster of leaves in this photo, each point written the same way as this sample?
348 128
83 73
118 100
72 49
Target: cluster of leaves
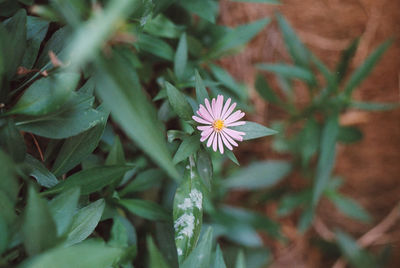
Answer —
87 92
311 133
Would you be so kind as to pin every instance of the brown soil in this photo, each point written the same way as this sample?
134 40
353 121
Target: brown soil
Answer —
371 167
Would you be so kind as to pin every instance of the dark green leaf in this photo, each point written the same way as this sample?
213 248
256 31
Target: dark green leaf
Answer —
77 148
188 147
178 102
36 30
163 27
254 130
116 155
232 157
350 208
227 80
347 55
258 175
37 170
165 241
188 211
143 181
87 254
4 235
296 49
364 70
291 201
84 222
156 260
155 46
181 57
357 256
145 209
39 229
8 182
265 90
201 255
288 71
206 9
91 180
62 208
11 141
348 134
119 234
204 167
326 159
237 37
130 108
306 219
16 27
201 91
374 106
74 117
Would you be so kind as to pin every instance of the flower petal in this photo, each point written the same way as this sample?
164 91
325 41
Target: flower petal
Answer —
204 135
220 144
229 139
215 142
213 106
226 106
236 135
238 123
219 104
202 128
207 132
205 114
200 120
234 117
226 142
230 109
206 101
210 140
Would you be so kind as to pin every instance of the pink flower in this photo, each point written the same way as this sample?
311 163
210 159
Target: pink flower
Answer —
217 117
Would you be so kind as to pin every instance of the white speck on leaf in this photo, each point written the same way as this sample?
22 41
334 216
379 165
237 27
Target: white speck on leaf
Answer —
187 222
187 203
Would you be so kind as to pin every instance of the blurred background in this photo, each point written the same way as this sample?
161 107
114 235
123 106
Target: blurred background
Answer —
370 168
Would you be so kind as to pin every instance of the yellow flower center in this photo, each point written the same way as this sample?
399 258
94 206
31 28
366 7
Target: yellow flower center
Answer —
218 125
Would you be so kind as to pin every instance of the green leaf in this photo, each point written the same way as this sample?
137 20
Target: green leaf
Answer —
347 55
306 219
166 243
219 259
4 235
145 209
156 260
178 102
119 234
75 149
364 70
349 207
62 208
206 9
357 256
36 30
188 147
37 170
232 157
295 47
8 182
121 93
90 180
309 139
39 229
85 255
326 158
201 255
227 80
143 181
116 155
291 201
90 37
11 140
254 130
74 117
204 167
155 46
84 222
188 212
288 71
163 27
201 91
181 57
374 106
258 175
265 90
46 95
240 261
348 134
16 43
237 37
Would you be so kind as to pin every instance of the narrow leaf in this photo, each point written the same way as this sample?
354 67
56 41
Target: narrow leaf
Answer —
181 57
145 209
265 90
289 71
156 260
219 259
254 130
201 256
189 146
201 91
178 102
37 170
